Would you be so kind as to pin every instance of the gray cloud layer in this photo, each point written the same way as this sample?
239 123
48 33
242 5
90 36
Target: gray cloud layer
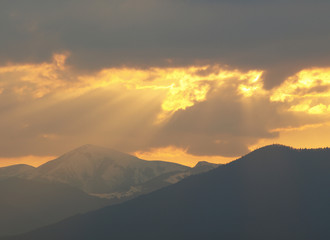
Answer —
279 36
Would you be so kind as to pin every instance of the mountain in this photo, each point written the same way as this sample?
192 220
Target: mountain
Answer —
275 192
202 167
96 170
19 170
100 170
27 204
170 178
34 197
48 192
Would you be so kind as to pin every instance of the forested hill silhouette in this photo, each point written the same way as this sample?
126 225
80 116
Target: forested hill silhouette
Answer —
275 192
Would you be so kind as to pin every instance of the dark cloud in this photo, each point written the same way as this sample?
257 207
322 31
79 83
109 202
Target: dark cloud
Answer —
278 36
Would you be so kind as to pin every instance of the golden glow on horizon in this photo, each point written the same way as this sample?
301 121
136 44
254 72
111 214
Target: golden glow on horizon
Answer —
168 154
308 136
306 126
31 160
178 155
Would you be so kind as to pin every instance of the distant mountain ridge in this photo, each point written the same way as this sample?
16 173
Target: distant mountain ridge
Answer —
203 166
19 170
102 171
275 192
97 171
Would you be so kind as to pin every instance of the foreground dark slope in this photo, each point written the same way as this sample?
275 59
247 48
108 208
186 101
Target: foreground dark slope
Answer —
27 204
272 193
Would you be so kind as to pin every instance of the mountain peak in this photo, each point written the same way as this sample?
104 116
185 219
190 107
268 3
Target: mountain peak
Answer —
18 166
203 166
205 163
270 150
88 157
276 157
87 146
275 147
18 170
91 148
90 151
97 169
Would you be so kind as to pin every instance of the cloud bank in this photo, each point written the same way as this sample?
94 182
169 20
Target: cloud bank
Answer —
212 78
279 37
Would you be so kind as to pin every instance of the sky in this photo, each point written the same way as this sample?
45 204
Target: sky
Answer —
183 80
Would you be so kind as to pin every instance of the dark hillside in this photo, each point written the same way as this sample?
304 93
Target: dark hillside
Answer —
273 193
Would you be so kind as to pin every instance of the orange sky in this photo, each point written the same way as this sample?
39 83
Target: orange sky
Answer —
179 114
181 81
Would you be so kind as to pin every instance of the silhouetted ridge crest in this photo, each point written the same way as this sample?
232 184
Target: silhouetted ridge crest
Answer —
276 147
273 147
278 154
